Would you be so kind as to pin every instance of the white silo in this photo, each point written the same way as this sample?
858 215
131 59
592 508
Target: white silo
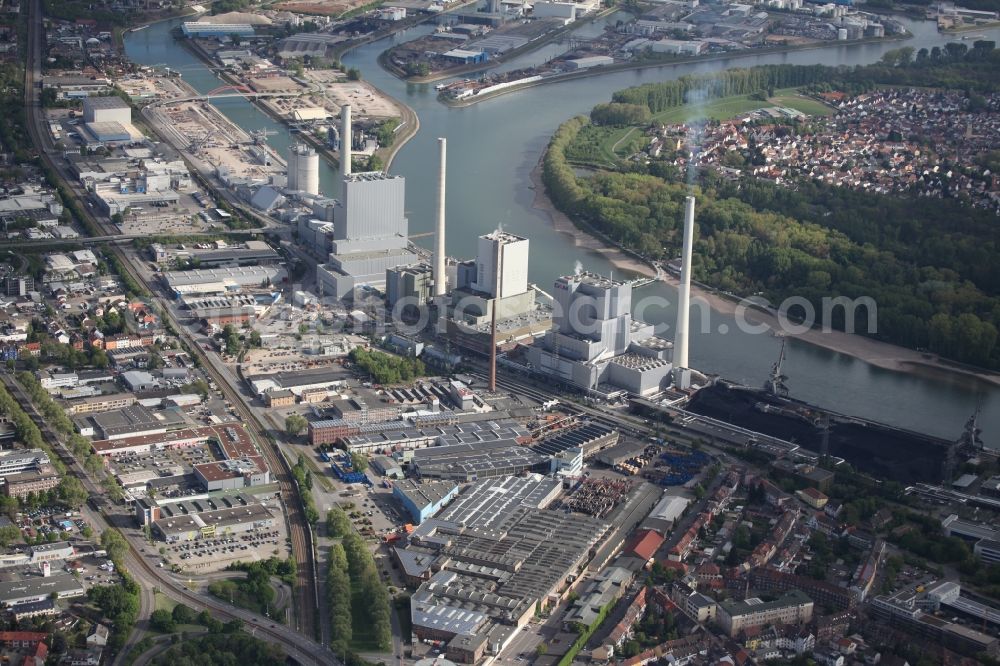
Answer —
303 169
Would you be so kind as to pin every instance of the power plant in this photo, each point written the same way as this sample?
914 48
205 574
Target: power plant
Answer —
303 169
370 230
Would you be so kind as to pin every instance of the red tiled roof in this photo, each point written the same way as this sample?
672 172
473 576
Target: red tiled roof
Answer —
24 636
644 544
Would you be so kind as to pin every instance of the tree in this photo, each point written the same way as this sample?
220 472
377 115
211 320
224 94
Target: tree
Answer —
295 424
353 74
359 461
71 492
99 359
115 545
115 492
162 621
183 614
9 534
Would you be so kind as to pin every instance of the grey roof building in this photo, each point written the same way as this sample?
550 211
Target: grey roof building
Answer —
37 588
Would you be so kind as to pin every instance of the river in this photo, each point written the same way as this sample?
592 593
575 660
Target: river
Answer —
494 146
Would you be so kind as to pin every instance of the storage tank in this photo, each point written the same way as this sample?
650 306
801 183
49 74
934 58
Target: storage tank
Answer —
303 169
842 34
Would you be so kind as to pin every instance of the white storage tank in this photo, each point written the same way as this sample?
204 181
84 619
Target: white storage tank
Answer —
303 169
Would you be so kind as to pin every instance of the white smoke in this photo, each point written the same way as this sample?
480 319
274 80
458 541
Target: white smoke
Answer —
695 132
577 268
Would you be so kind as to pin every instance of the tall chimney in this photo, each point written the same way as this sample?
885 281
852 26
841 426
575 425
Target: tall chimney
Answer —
439 260
345 140
498 268
681 335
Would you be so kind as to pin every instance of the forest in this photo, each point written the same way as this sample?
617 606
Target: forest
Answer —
928 263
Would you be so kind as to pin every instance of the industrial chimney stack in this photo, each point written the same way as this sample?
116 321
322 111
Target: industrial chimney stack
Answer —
345 140
440 278
682 334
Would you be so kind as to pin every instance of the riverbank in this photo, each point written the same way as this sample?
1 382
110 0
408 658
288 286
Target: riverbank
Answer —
874 352
637 66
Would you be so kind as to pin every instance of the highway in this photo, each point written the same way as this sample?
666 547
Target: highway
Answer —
299 646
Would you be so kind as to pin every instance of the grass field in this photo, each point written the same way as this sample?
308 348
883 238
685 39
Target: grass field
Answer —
614 144
163 602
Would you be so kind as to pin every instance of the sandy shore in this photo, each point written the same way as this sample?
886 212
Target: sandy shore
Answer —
874 352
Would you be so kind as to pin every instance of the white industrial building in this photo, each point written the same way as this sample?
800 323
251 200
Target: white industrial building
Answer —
562 10
498 276
303 169
20 460
370 232
106 110
370 229
590 61
594 341
678 46
222 280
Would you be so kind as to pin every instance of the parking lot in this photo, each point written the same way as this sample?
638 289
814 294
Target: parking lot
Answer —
214 554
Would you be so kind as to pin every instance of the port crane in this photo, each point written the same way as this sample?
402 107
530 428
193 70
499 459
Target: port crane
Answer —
775 384
259 136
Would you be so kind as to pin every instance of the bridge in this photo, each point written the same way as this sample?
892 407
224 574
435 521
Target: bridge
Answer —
115 238
223 92
643 281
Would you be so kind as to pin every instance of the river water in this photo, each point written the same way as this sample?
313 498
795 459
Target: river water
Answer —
493 147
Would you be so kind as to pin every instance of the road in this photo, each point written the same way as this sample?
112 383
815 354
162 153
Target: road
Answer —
301 647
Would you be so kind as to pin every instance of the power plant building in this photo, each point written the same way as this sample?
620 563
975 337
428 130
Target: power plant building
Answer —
410 285
369 234
498 276
303 170
595 344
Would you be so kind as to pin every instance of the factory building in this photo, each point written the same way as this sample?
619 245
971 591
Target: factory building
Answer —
208 524
595 344
501 496
303 169
106 110
481 460
590 437
222 280
423 500
39 588
525 555
232 474
665 514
